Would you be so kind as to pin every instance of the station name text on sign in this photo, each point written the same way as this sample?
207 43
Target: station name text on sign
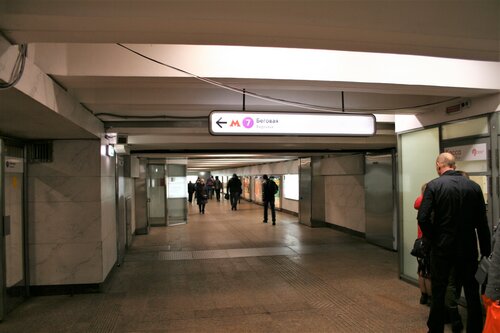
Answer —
290 123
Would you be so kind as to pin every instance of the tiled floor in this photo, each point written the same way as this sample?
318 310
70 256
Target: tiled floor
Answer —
226 271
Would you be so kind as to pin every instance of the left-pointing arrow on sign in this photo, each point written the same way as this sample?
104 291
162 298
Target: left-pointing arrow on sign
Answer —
218 122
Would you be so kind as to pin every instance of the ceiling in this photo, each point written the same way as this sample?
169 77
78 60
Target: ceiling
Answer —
161 103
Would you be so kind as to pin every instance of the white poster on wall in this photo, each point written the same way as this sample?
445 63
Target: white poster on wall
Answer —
177 187
475 152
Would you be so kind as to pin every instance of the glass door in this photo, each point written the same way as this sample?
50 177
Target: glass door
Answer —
156 192
13 242
176 193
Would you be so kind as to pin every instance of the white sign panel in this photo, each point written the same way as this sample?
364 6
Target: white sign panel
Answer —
14 165
476 152
290 123
177 187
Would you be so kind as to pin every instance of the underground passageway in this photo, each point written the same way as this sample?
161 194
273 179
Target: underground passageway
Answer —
226 271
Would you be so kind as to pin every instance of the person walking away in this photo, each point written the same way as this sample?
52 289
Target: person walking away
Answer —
217 187
234 190
190 191
210 186
453 216
201 195
269 189
424 264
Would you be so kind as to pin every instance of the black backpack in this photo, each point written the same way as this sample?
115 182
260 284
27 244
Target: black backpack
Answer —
273 188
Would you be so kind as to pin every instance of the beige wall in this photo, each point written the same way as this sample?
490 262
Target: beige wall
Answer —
344 194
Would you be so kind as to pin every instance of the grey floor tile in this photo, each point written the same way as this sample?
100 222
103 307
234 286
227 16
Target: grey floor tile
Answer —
226 271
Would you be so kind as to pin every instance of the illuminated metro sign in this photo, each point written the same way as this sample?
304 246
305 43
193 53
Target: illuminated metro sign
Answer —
291 123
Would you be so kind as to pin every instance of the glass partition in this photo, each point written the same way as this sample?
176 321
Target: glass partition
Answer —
176 192
156 194
470 157
469 127
483 183
418 152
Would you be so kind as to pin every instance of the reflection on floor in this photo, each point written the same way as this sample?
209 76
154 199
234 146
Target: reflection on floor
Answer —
226 271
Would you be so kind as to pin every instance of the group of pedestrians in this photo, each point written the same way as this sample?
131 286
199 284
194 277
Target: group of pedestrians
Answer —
452 216
203 191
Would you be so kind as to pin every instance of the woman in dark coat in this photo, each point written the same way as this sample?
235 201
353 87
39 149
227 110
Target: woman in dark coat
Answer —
201 195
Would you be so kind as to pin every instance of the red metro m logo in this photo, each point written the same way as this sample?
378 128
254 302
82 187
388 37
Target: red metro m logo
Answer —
235 123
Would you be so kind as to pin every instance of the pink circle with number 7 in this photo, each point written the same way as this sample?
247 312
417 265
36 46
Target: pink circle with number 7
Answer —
247 122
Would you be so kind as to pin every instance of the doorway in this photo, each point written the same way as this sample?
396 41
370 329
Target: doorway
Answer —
156 192
13 242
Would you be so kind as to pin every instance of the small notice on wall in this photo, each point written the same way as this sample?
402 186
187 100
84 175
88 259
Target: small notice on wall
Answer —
14 165
475 152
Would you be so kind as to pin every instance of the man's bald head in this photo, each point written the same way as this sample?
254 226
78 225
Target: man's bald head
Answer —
445 162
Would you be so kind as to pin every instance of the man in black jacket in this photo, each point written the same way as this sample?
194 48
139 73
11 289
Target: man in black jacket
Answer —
234 189
452 211
269 189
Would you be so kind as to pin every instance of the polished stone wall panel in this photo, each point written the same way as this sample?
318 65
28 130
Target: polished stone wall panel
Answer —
63 189
107 188
345 201
109 254
65 263
64 222
71 158
65 214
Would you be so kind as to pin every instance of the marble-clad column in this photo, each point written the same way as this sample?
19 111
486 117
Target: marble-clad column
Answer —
66 224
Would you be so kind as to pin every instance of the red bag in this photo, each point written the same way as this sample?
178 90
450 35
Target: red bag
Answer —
492 324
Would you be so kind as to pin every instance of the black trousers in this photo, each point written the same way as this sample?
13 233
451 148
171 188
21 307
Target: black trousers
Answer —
463 270
267 204
234 197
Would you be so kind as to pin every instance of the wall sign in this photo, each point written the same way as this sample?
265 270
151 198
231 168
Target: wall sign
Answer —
14 165
291 123
476 152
